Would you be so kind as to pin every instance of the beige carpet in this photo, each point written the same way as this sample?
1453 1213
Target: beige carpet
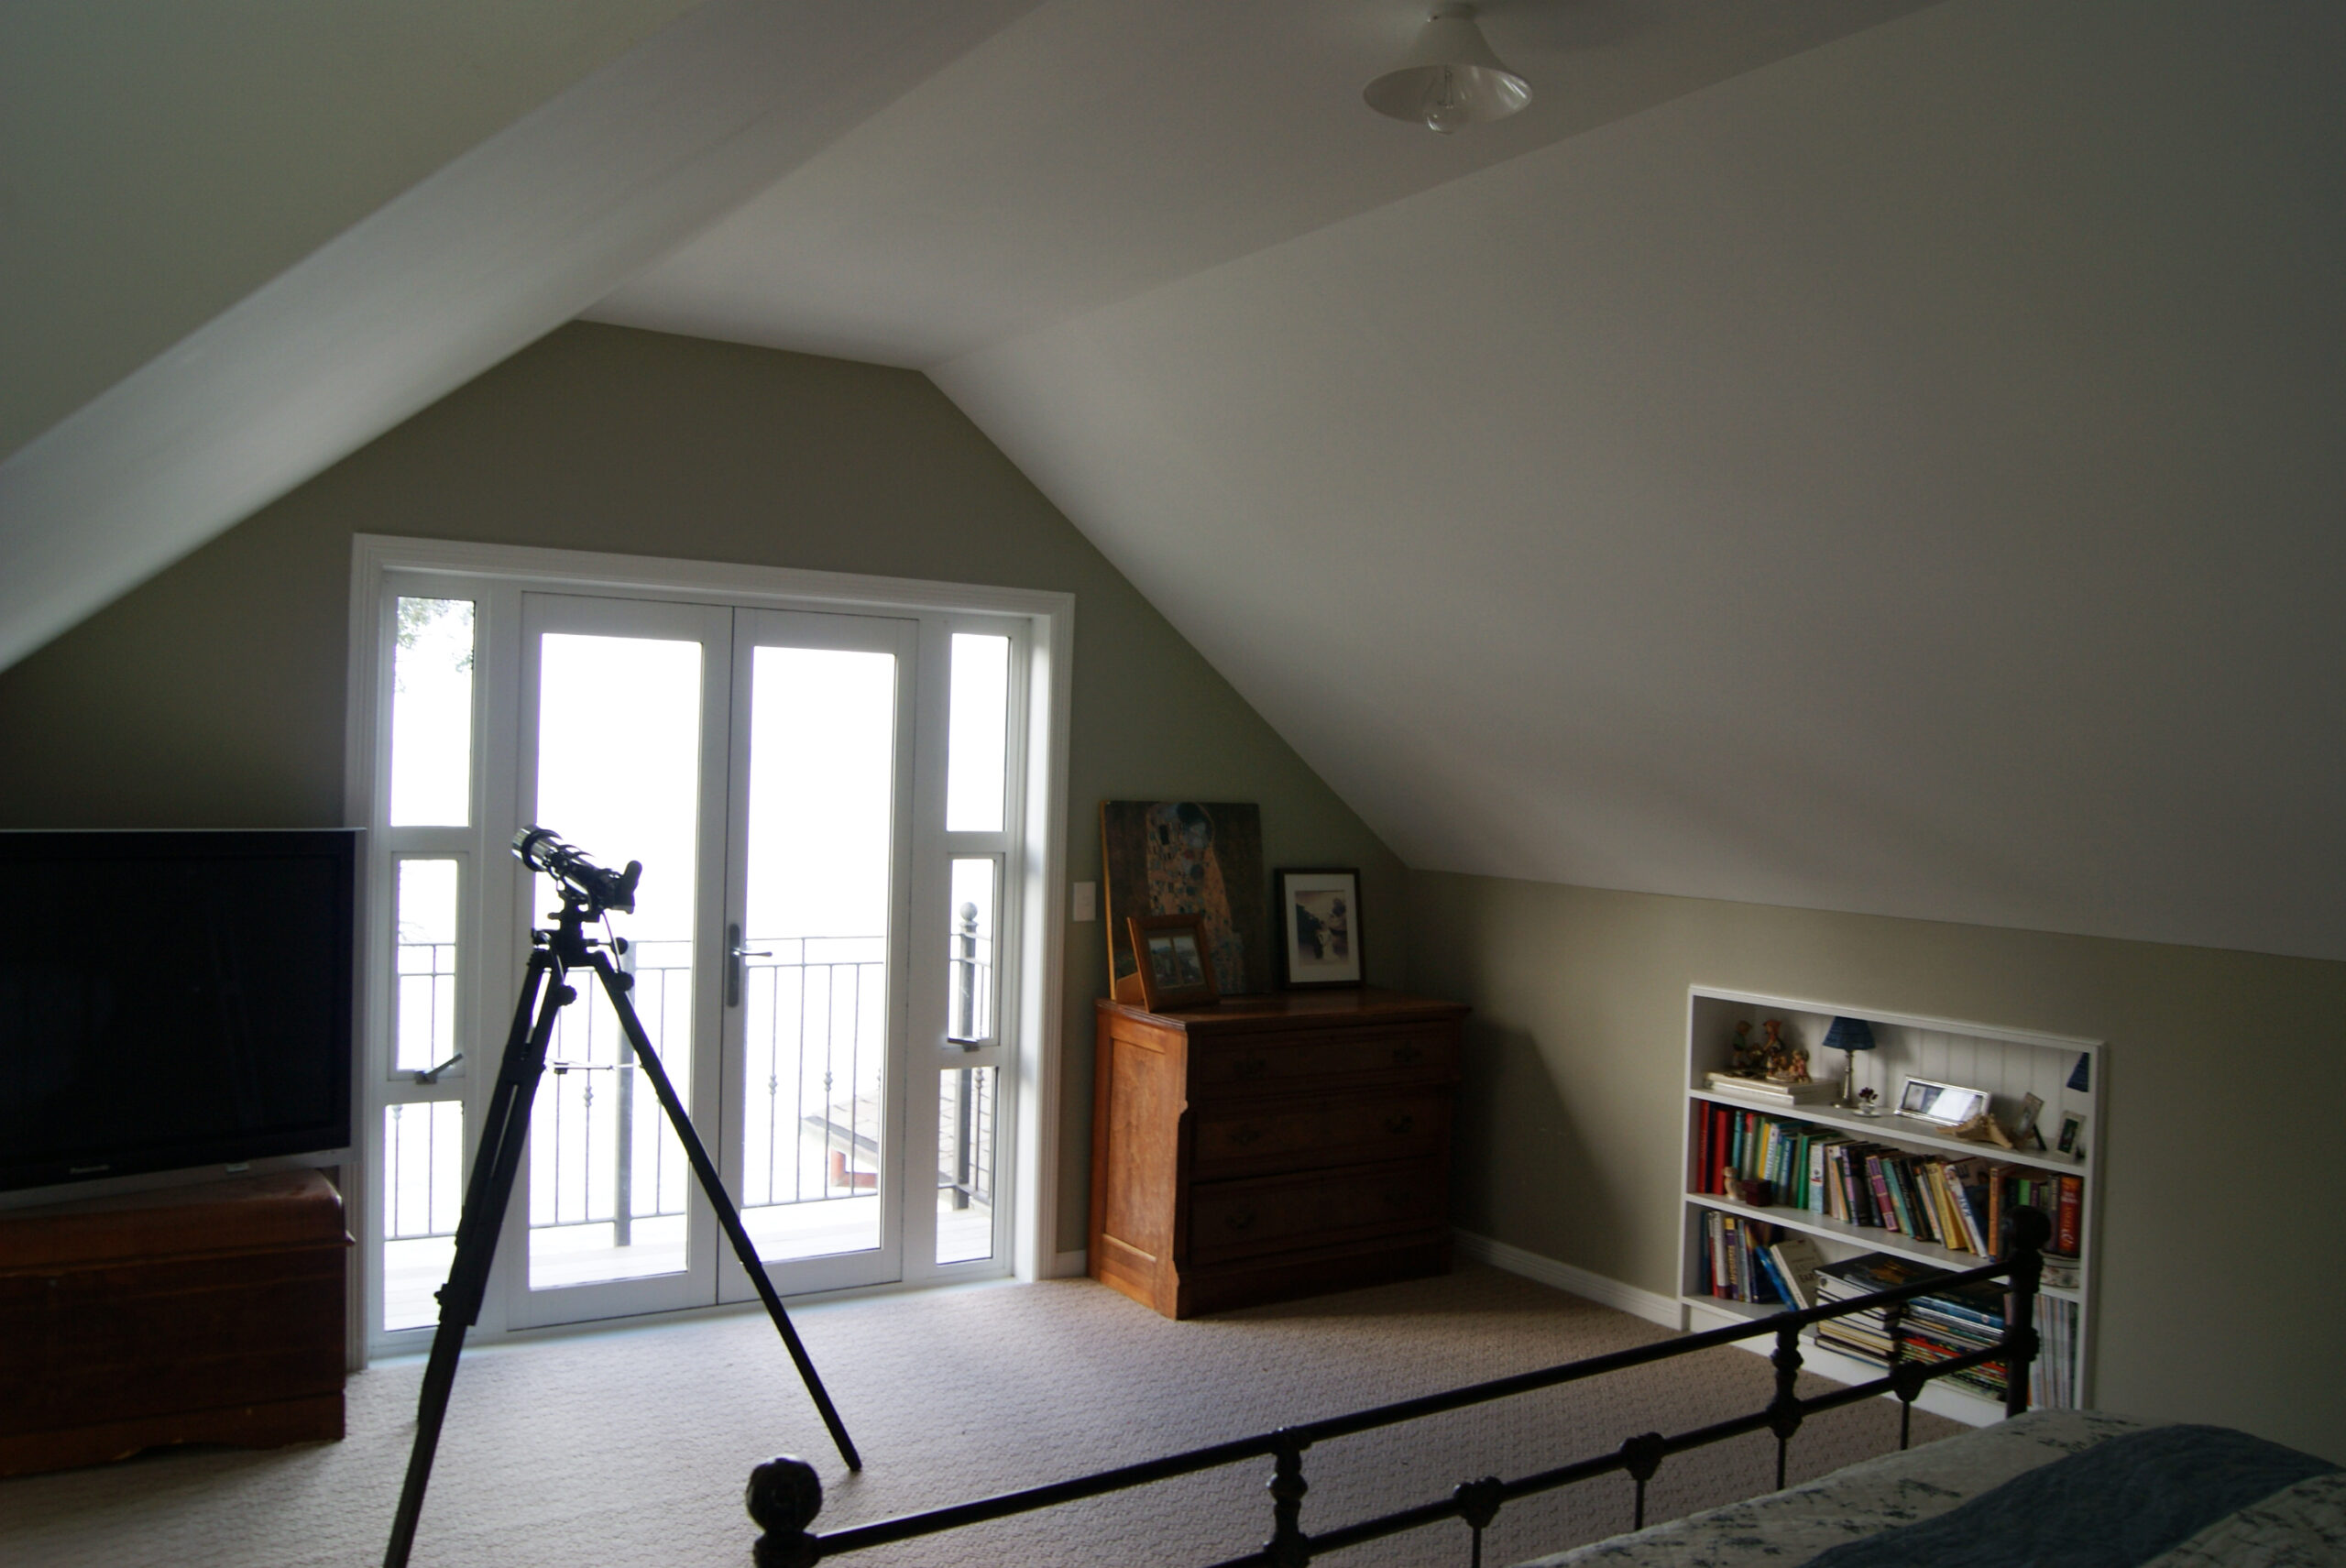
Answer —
630 1447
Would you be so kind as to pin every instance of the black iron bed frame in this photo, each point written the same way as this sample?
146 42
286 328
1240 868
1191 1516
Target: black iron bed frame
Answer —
786 1494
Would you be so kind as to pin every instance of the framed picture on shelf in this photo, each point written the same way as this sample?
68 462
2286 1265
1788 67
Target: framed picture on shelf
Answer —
1175 961
1319 921
1941 1104
2073 1135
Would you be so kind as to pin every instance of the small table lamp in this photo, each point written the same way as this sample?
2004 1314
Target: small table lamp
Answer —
1852 1035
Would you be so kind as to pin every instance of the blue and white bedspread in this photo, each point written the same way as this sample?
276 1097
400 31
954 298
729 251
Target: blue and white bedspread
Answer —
2055 1488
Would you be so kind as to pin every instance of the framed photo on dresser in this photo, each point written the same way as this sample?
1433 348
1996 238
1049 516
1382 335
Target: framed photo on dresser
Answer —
1319 921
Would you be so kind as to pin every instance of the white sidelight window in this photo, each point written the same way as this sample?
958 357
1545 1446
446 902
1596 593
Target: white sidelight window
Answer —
846 796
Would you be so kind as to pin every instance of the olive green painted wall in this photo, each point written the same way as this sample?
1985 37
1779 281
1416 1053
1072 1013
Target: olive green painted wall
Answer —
212 695
2221 1272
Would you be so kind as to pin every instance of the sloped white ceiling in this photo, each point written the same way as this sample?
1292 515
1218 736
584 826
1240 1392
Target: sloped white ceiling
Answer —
1840 453
1905 478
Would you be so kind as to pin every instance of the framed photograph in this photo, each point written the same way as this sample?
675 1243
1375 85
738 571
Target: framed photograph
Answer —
1187 857
2025 1122
2073 1135
1941 1104
1319 920
1175 961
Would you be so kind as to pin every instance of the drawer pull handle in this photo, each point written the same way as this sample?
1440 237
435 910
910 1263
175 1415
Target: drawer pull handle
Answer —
1251 1067
1405 1055
1397 1125
1242 1221
1244 1136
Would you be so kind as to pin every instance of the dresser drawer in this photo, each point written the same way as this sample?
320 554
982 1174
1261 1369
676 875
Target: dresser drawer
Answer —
1290 1133
1398 1056
1241 1219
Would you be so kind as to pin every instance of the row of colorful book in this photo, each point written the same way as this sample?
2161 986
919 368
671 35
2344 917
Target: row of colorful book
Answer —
1959 1204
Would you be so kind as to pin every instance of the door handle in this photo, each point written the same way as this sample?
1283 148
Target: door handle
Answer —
736 963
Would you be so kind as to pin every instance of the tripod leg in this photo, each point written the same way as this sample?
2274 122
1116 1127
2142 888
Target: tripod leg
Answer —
726 1214
488 1189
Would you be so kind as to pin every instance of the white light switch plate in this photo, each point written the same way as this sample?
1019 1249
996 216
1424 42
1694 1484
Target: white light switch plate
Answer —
1085 905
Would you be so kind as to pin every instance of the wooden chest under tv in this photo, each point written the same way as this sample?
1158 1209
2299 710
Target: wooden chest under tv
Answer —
198 1314
1271 1147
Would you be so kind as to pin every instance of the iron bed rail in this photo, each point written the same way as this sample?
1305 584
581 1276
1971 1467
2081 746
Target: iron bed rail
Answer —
786 1494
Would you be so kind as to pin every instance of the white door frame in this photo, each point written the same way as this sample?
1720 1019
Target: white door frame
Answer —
495 576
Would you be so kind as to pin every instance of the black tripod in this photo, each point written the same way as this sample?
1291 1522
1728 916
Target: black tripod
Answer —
588 891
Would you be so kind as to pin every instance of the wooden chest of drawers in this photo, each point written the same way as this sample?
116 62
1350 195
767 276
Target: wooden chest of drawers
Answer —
1272 1146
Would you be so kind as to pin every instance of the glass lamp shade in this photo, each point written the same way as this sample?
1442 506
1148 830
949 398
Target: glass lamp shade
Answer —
1450 77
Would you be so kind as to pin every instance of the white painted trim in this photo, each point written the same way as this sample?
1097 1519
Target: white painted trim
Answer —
1050 618
672 577
495 249
1902 1020
1653 1307
1070 1264
1041 1046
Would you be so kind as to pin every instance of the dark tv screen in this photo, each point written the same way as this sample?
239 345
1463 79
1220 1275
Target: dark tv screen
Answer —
172 1000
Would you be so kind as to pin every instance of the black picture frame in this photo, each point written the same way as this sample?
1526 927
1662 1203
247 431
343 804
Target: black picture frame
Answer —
1319 939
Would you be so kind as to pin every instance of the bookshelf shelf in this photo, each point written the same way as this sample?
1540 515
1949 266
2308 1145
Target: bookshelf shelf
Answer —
1901 1130
2009 1064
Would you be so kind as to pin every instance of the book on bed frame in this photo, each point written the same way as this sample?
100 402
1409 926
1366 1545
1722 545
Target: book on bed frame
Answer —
1766 1165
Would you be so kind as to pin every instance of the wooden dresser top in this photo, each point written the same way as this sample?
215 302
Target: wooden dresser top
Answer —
1285 1011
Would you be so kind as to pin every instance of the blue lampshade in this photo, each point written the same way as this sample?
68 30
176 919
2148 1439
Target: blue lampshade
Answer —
1849 1035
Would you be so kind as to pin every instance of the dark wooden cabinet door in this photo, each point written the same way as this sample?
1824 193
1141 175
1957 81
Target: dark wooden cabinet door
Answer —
1271 1147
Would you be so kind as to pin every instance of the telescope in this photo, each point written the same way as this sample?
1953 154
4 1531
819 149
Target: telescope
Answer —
580 879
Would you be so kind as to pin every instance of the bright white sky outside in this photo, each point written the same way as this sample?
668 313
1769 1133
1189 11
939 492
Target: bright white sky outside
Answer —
821 771
979 730
822 760
431 715
619 766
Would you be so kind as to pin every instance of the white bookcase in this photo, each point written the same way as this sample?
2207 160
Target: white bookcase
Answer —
2007 1063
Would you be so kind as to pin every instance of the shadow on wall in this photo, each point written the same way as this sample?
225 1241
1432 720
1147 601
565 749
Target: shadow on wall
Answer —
1510 1095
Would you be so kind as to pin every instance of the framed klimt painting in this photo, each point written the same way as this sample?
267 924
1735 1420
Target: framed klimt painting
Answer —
1320 934
1201 857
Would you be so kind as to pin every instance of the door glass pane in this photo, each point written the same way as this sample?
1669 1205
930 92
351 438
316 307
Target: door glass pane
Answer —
813 978
976 734
424 1006
969 958
965 1120
423 1191
619 776
432 713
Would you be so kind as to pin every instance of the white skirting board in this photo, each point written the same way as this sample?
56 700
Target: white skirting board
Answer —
1070 1264
1651 1305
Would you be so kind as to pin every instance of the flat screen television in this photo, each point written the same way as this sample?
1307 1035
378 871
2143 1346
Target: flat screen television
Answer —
172 999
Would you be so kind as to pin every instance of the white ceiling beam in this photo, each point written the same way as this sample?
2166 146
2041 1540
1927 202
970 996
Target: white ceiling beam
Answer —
495 249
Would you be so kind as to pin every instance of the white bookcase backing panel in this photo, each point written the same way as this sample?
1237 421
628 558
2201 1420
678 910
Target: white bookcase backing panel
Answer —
2009 1064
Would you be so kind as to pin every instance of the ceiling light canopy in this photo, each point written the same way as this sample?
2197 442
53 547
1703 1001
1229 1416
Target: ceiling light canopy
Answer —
1450 77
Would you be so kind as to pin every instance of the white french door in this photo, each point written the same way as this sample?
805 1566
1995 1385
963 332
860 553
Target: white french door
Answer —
761 764
818 878
839 945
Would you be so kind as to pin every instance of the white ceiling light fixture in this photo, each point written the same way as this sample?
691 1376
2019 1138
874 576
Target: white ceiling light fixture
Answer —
1450 77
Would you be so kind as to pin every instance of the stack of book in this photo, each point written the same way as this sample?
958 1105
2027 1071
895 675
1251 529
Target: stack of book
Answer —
2052 1377
1960 1204
1772 1091
1937 1326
